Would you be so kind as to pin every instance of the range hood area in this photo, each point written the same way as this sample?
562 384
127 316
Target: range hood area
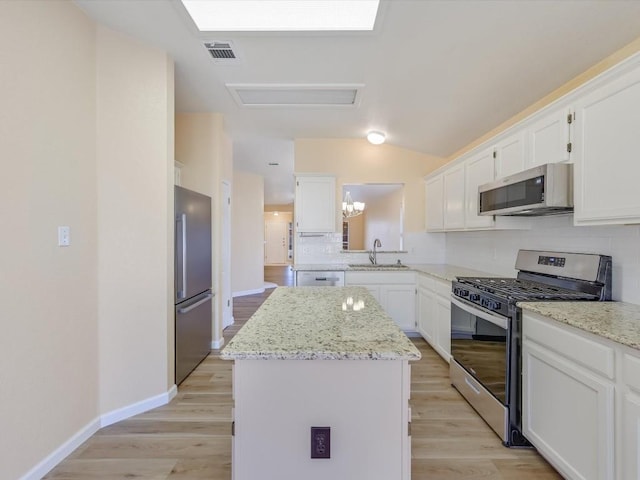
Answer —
539 191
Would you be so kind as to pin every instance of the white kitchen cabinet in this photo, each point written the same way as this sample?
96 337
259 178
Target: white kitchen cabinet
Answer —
630 416
480 169
454 190
568 409
443 327
549 138
399 301
510 154
395 291
425 307
434 313
315 204
434 208
605 153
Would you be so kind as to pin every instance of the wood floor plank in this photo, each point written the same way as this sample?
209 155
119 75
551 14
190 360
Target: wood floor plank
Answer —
157 446
458 469
190 438
114 469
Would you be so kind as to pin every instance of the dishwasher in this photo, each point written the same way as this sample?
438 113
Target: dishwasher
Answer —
310 278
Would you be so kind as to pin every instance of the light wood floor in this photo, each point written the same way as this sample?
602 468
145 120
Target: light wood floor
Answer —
190 438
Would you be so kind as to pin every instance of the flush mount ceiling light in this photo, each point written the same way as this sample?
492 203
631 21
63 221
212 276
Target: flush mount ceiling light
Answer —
282 15
376 138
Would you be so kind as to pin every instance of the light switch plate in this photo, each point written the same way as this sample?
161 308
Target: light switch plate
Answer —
64 236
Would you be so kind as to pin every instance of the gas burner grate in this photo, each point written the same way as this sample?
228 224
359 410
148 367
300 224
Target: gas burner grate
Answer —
517 289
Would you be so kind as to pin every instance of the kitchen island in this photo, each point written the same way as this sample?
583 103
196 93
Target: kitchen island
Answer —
321 357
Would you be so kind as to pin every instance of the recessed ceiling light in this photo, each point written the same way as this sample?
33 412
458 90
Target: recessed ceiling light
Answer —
282 15
376 138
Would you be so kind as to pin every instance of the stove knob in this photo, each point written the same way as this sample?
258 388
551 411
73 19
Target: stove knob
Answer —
465 293
474 297
496 306
456 291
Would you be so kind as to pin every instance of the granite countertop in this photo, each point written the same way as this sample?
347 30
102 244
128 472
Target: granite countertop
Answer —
438 270
617 321
449 273
320 323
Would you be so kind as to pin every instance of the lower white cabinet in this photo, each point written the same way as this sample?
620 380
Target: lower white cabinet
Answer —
434 313
395 291
629 422
568 391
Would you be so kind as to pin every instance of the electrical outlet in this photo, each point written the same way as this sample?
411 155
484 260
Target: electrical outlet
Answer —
320 442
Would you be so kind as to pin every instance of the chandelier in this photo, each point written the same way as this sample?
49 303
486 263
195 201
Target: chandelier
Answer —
351 208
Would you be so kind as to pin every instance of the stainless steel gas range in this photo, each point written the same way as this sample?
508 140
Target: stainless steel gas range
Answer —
486 327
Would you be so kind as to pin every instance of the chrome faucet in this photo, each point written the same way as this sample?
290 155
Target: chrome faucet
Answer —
373 254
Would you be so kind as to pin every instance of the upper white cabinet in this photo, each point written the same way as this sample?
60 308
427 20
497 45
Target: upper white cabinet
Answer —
454 198
549 138
510 154
315 204
606 146
434 208
479 170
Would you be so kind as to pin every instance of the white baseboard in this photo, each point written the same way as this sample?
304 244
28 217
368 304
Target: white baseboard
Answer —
82 435
138 407
63 451
217 344
242 293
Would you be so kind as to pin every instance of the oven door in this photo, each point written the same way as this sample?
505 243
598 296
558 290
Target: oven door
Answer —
479 344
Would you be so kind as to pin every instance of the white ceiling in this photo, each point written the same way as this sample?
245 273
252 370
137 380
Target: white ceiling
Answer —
437 73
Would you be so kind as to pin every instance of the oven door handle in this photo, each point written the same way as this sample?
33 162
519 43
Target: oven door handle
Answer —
498 320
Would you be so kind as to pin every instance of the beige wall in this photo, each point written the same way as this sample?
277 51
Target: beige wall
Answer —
356 231
247 232
203 147
47 145
384 221
279 208
86 138
134 145
357 161
585 76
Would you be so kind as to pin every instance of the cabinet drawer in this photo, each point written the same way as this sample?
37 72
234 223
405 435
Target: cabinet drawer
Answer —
425 281
380 278
442 288
594 355
631 371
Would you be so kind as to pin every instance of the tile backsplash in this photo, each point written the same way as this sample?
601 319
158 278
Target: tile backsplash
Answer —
327 249
495 251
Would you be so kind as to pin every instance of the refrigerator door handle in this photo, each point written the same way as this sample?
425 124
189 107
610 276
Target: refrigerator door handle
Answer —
196 305
182 255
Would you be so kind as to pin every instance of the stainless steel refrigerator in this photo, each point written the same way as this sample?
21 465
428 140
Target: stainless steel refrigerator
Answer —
193 296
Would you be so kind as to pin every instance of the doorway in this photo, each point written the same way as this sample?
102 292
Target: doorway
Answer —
277 240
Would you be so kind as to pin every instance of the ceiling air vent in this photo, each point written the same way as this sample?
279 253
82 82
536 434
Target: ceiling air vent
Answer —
222 52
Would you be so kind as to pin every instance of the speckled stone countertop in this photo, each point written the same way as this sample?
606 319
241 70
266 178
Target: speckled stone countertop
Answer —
438 270
450 272
320 323
617 321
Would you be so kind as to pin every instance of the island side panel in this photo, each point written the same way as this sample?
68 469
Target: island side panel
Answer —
365 402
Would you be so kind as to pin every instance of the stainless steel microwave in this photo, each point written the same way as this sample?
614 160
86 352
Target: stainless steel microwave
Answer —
543 190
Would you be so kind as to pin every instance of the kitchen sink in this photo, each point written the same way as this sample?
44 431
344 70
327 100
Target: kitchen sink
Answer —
385 266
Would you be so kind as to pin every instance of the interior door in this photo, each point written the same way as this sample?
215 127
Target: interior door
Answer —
275 243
